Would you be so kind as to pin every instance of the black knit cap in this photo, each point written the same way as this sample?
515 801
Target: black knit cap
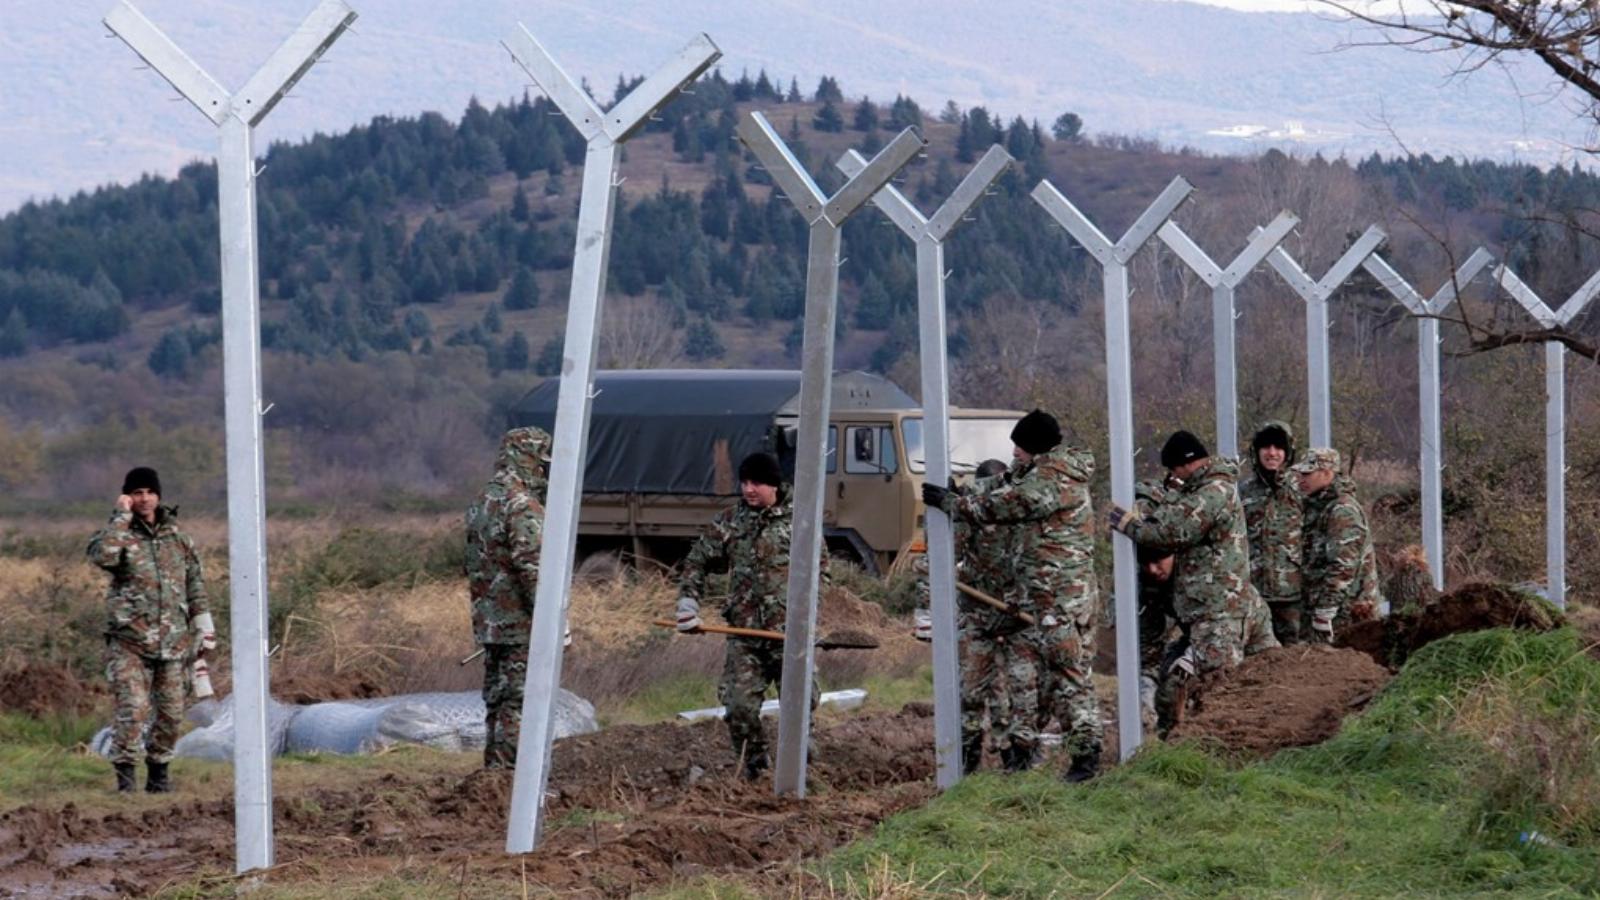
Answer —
1271 436
761 468
1036 432
1182 447
141 477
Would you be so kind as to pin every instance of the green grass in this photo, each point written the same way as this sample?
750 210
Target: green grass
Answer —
1482 736
660 701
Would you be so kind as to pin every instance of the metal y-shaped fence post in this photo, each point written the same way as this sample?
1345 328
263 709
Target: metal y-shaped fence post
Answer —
1224 283
1555 418
1113 259
824 215
929 233
1431 461
235 115
1316 294
604 132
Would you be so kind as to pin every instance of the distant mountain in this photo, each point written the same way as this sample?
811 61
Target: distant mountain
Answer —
76 111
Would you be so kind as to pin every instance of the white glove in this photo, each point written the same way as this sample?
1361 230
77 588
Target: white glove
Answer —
1184 667
206 630
924 627
1049 621
688 614
566 636
1322 618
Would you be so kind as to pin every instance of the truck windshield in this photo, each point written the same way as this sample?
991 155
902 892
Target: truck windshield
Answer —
971 442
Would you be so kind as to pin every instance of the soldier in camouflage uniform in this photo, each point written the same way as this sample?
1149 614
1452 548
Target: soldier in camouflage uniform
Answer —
1201 521
1046 497
999 665
1341 570
156 613
1156 622
1273 513
504 530
751 542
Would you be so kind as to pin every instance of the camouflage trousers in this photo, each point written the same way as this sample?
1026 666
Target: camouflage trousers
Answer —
142 685
1288 619
1214 642
505 671
1259 634
1065 639
1000 678
1155 629
749 667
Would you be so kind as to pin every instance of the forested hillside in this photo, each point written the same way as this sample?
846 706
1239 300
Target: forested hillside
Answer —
415 276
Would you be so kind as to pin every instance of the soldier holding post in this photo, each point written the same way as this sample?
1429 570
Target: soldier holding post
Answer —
1341 569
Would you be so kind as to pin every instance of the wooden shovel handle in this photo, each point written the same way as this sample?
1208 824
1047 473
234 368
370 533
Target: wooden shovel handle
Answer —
727 629
987 600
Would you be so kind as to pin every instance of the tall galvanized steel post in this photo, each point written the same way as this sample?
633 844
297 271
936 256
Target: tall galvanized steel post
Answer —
1431 455
929 234
824 215
1555 415
604 131
1113 259
235 115
1316 294
1224 284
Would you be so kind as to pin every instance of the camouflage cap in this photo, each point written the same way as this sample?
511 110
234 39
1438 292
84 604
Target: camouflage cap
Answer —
526 450
1318 458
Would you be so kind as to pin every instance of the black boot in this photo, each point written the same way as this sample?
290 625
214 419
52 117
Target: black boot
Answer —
157 782
127 777
971 755
755 765
1084 767
1016 758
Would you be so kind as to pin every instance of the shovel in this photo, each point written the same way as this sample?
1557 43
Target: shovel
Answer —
987 600
844 640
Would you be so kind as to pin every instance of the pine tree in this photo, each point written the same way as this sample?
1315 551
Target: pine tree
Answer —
491 319
866 117
701 342
520 211
828 118
171 358
1068 127
516 352
794 92
14 334
549 361
524 290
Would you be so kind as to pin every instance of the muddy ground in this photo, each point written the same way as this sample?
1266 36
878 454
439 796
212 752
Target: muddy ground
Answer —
635 807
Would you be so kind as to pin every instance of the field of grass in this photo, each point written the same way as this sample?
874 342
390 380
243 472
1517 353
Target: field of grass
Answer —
1433 791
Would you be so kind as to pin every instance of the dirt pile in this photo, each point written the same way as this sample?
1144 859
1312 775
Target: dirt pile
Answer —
41 689
633 808
1475 606
1286 697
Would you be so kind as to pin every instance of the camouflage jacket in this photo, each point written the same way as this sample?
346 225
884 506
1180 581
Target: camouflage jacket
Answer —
1273 514
752 546
157 587
1047 500
1341 568
984 560
1202 524
504 530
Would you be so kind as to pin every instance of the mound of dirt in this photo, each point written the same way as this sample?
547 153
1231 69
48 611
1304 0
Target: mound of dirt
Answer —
1475 606
1286 697
634 808
41 689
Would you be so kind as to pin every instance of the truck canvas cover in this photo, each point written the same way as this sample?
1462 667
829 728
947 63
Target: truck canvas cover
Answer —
683 431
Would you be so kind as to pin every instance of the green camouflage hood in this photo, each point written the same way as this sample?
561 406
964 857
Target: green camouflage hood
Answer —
525 457
1291 452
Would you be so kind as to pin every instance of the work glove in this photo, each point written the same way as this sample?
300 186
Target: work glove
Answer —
923 631
1363 611
207 632
688 614
934 495
1119 519
566 635
1322 623
1184 667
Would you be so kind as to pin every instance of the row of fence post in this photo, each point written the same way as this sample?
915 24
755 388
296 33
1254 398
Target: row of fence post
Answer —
236 114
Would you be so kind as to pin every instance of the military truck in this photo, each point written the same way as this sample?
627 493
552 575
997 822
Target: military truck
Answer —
665 446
